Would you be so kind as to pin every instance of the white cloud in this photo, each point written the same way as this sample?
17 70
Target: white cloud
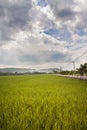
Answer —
24 43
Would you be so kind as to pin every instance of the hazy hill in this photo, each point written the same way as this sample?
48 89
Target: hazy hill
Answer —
18 70
26 70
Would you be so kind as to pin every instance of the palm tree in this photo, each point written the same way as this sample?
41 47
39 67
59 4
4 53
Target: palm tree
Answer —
83 69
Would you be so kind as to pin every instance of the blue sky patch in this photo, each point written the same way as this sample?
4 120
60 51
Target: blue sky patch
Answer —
82 33
62 34
51 31
42 3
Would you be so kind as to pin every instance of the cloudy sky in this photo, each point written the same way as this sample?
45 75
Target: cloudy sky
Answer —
43 33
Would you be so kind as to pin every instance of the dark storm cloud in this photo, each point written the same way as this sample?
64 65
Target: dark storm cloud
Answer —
19 15
1 12
81 26
62 9
66 13
14 16
45 57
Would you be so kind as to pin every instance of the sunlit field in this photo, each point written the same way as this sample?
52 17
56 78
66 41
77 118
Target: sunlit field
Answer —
42 102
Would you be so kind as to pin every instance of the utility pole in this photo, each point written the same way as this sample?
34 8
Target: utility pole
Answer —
74 67
60 69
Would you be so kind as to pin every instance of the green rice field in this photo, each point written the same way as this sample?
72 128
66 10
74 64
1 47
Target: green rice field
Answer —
42 102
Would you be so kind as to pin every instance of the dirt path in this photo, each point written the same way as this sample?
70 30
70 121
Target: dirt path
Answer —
74 76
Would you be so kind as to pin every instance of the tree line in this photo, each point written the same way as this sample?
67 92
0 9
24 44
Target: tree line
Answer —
82 69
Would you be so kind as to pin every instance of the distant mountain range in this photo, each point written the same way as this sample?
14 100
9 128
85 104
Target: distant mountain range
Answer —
26 70
18 70
50 70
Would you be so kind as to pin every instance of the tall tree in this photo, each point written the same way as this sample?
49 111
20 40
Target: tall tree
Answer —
83 69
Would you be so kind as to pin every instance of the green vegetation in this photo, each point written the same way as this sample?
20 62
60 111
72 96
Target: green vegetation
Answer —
67 72
83 69
42 102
